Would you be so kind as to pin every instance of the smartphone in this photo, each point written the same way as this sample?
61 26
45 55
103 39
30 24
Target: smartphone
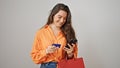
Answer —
72 41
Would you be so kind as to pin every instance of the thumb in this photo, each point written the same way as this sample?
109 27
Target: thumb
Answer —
73 45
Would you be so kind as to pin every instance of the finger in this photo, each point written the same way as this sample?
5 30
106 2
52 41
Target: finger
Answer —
66 49
53 47
73 45
69 45
50 47
57 47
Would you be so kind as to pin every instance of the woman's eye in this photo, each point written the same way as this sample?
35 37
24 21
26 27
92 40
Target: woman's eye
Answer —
59 17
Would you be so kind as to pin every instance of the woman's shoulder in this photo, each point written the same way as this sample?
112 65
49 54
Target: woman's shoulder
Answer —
42 29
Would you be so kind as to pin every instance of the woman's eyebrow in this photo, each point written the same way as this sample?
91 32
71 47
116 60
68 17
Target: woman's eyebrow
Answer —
59 15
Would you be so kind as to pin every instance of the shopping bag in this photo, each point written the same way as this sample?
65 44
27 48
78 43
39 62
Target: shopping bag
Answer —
71 63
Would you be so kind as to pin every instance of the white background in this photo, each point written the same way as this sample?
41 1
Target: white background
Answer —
96 23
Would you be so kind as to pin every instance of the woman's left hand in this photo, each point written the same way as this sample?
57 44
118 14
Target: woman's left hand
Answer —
69 50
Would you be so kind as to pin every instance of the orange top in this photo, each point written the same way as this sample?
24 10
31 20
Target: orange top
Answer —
44 38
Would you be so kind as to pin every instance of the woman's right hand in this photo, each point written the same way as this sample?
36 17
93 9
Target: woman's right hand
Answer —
51 49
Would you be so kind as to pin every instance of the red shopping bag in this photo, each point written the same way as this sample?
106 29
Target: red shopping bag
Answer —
71 63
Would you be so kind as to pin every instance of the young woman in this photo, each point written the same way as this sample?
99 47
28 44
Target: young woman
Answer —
58 30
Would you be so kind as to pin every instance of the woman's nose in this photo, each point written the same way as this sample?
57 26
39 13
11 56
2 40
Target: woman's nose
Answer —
62 20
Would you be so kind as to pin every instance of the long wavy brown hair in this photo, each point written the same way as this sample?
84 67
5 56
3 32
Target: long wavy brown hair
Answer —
67 28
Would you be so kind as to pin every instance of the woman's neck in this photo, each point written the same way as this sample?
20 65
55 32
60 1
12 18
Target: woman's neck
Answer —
55 27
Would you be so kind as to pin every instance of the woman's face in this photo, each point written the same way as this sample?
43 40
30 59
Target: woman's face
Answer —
59 18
